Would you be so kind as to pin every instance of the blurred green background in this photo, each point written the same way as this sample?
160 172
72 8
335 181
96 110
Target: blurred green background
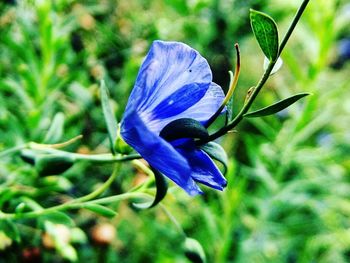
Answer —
288 193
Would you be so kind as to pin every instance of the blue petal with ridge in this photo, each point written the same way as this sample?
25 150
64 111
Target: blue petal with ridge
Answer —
168 67
203 168
158 153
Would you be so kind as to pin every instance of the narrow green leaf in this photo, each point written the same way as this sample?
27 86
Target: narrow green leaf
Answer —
57 218
101 210
10 229
276 107
110 119
55 131
162 188
266 33
184 128
215 151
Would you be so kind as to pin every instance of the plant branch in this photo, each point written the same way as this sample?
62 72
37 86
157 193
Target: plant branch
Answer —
261 82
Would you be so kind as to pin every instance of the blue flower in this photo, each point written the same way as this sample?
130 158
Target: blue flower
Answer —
174 82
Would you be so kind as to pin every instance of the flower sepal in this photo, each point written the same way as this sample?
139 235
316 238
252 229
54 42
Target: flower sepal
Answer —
120 146
184 128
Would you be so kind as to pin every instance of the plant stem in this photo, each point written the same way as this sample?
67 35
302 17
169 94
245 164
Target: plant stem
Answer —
73 205
261 82
79 202
293 24
96 158
13 150
101 189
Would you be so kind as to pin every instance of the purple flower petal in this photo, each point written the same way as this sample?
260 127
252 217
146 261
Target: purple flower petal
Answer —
158 153
168 67
200 111
203 168
174 82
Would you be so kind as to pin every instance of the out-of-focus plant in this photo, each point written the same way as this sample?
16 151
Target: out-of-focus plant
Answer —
52 55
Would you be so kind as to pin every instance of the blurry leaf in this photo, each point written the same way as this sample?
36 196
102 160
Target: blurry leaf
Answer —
52 165
5 241
57 218
77 236
266 33
59 182
184 128
276 67
20 208
215 151
110 119
101 210
162 188
68 252
56 129
28 156
278 106
194 251
179 5
10 230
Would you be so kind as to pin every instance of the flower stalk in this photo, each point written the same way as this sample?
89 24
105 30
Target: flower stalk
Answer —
239 117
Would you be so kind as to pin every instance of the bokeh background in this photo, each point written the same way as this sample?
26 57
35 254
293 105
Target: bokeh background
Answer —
288 193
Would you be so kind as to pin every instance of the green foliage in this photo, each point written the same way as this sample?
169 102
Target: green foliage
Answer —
276 107
287 198
109 115
266 33
101 210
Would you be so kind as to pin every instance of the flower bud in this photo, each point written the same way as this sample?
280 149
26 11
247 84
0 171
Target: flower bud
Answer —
121 146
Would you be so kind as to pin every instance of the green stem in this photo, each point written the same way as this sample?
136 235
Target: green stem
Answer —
13 150
101 189
293 24
96 158
73 205
46 149
173 220
79 202
261 82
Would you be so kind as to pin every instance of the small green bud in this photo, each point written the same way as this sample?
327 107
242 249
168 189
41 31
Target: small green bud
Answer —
120 145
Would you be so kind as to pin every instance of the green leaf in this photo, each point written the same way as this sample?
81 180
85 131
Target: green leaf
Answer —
10 230
68 252
101 210
110 119
55 131
276 107
194 250
77 236
184 128
215 151
59 183
57 218
162 188
266 33
52 165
